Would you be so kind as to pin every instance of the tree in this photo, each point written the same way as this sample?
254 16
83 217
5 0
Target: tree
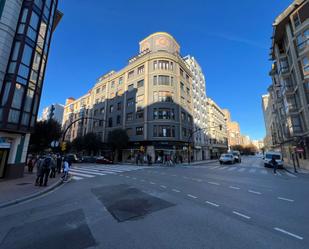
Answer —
118 139
91 143
44 133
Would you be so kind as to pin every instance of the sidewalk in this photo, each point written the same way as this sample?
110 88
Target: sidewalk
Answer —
21 189
290 167
195 163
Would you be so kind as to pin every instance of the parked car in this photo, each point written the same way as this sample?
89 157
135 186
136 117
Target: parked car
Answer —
73 158
269 155
227 158
103 160
236 155
89 159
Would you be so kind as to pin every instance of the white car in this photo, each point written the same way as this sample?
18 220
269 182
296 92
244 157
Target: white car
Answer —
227 158
269 155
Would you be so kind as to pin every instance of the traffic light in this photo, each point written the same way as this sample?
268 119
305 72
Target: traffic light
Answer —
63 146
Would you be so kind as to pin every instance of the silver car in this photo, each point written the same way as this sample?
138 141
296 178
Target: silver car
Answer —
227 158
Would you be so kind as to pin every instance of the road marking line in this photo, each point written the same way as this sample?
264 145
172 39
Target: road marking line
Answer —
285 199
288 233
77 178
80 174
212 203
233 187
176 190
87 172
242 215
192 196
254 192
213 183
152 183
264 171
127 176
163 186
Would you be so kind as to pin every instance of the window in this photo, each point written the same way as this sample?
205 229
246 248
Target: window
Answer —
130 102
155 64
184 132
172 81
97 90
129 131
131 74
140 115
13 116
111 109
130 87
163 65
118 106
163 80
102 110
163 131
163 113
172 66
188 90
182 86
118 119
140 83
129 116
18 96
305 64
1 7
140 100
95 113
141 69
112 84
139 130
110 122
181 72
165 96
296 20
120 80
190 119
27 55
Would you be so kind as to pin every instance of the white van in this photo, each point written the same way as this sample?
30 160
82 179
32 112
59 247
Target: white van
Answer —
269 155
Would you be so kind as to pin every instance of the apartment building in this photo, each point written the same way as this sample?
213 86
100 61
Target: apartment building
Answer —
289 91
268 118
200 137
233 129
26 29
151 98
217 129
53 111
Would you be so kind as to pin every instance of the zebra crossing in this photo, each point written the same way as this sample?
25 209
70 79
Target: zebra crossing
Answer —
85 172
251 170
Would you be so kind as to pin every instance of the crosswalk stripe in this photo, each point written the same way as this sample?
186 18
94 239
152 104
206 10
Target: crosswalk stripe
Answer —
80 174
214 167
88 172
100 170
241 169
77 178
232 168
289 174
264 171
106 169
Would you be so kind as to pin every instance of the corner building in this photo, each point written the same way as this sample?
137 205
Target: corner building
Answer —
151 98
26 28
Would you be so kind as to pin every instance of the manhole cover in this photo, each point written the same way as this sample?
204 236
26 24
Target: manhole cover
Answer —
126 203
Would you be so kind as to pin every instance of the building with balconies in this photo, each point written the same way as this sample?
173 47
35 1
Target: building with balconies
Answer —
151 98
289 91
26 29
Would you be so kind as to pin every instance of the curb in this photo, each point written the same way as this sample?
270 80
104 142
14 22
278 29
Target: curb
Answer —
32 196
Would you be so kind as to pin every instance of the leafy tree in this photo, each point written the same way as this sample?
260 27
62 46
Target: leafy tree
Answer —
91 143
44 133
118 139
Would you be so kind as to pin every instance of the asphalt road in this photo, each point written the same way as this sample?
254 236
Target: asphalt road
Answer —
208 206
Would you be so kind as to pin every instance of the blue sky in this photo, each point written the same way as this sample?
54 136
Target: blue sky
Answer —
230 40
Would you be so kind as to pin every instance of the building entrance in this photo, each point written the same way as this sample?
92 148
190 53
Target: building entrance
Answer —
4 153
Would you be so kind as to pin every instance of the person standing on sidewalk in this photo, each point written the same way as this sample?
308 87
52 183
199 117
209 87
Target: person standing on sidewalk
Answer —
53 167
46 165
59 163
39 170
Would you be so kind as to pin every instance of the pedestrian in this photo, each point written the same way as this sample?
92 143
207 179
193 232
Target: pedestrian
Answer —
46 166
66 168
30 165
39 170
59 163
274 163
137 159
53 168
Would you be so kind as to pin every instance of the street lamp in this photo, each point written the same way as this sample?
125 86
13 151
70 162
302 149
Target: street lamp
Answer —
193 132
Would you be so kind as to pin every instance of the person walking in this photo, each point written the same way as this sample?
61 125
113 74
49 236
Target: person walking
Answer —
46 166
59 163
274 163
53 168
39 170
30 165
66 168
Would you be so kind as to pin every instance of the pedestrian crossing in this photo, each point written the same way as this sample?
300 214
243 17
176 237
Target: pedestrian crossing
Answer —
85 172
251 170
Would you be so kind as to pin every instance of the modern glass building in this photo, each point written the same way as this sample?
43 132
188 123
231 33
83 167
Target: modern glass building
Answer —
26 29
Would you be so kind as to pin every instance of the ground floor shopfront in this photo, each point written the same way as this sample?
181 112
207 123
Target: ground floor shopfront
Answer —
13 153
156 152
